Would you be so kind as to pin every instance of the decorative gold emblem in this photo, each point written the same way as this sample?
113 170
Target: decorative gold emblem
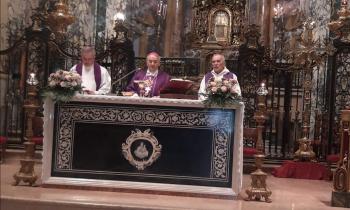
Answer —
141 149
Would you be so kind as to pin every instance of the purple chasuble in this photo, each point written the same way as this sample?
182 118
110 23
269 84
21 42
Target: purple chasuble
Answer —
97 73
159 82
209 75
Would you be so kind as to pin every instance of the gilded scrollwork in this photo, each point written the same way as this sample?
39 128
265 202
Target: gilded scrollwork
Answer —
219 121
205 22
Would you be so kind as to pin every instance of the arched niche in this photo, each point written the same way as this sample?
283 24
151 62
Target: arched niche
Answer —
220 25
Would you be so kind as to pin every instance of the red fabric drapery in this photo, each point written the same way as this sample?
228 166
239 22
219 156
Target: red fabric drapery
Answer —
301 170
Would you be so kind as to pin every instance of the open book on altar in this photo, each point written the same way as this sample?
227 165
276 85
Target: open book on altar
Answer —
178 88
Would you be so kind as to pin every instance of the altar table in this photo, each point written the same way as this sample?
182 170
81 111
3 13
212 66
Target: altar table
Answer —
143 144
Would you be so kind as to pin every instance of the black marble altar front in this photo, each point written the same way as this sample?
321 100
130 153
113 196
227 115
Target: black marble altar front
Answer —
197 143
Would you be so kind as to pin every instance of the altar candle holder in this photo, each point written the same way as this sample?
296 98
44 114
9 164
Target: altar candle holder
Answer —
258 188
31 104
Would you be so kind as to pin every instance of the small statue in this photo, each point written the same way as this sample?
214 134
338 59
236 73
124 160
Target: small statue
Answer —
141 151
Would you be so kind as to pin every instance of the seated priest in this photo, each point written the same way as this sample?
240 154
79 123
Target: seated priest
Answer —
218 72
95 78
148 82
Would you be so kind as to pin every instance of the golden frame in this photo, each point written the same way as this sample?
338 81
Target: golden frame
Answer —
211 24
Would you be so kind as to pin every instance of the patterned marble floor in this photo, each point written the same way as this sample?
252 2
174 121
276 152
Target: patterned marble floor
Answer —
288 194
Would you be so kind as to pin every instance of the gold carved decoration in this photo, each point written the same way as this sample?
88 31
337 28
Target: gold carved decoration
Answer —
220 19
60 18
31 104
141 149
26 173
341 181
341 26
307 56
258 188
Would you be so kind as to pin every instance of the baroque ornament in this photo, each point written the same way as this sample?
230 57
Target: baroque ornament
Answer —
141 149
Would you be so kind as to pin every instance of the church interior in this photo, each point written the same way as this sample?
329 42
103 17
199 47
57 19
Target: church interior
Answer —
281 142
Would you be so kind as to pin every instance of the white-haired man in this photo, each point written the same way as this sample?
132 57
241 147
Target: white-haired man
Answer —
95 78
218 72
158 79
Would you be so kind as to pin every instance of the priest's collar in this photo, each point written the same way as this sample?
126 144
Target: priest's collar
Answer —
153 74
223 72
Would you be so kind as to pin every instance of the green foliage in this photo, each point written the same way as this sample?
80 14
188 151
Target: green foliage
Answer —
221 99
59 94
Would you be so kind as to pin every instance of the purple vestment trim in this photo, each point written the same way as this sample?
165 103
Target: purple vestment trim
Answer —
209 75
159 82
97 73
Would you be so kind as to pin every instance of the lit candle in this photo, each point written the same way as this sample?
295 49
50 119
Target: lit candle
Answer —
119 16
262 91
32 79
32 76
275 12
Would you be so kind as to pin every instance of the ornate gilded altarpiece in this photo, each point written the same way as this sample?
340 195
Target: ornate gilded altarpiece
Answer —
219 21
217 26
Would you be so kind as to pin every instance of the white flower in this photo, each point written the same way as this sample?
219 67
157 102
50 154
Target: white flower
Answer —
224 89
52 83
64 84
68 77
234 90
217 80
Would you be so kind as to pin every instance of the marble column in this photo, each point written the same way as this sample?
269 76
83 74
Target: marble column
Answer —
84 26
270 41
143 42
3 73
174 29
3 86
320 11
266 18
3 21
260 12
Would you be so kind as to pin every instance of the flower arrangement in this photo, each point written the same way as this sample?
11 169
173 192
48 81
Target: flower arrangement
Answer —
62 86
222 92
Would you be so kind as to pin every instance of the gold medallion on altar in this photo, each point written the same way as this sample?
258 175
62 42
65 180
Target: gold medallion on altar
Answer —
141 149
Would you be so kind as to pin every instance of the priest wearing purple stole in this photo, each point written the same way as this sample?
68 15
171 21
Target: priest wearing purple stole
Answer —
153 80
218 72
95 78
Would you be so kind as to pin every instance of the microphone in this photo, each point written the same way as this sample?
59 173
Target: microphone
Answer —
126 75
